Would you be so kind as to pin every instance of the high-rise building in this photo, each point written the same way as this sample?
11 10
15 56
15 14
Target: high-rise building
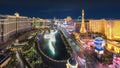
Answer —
97 26
115 32
12 24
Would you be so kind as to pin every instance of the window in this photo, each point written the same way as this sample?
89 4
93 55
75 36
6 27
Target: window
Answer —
2 31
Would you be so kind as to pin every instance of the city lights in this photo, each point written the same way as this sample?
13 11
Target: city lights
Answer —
90 42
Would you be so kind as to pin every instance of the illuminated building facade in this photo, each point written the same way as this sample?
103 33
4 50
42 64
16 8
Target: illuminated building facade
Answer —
113 33
97 26
40 23
113 47
109 28
115 30
12 24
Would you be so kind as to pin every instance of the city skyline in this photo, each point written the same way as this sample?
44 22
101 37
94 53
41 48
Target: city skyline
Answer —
58 43
62 8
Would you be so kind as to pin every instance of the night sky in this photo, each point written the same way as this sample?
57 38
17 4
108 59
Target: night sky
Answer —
95 9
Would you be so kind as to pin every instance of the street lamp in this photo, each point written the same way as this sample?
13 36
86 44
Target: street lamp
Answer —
17 15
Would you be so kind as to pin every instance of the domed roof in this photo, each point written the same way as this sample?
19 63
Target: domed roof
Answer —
72 61
98 39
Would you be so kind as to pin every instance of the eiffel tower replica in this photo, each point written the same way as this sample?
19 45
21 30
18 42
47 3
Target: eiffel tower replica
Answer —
83 31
